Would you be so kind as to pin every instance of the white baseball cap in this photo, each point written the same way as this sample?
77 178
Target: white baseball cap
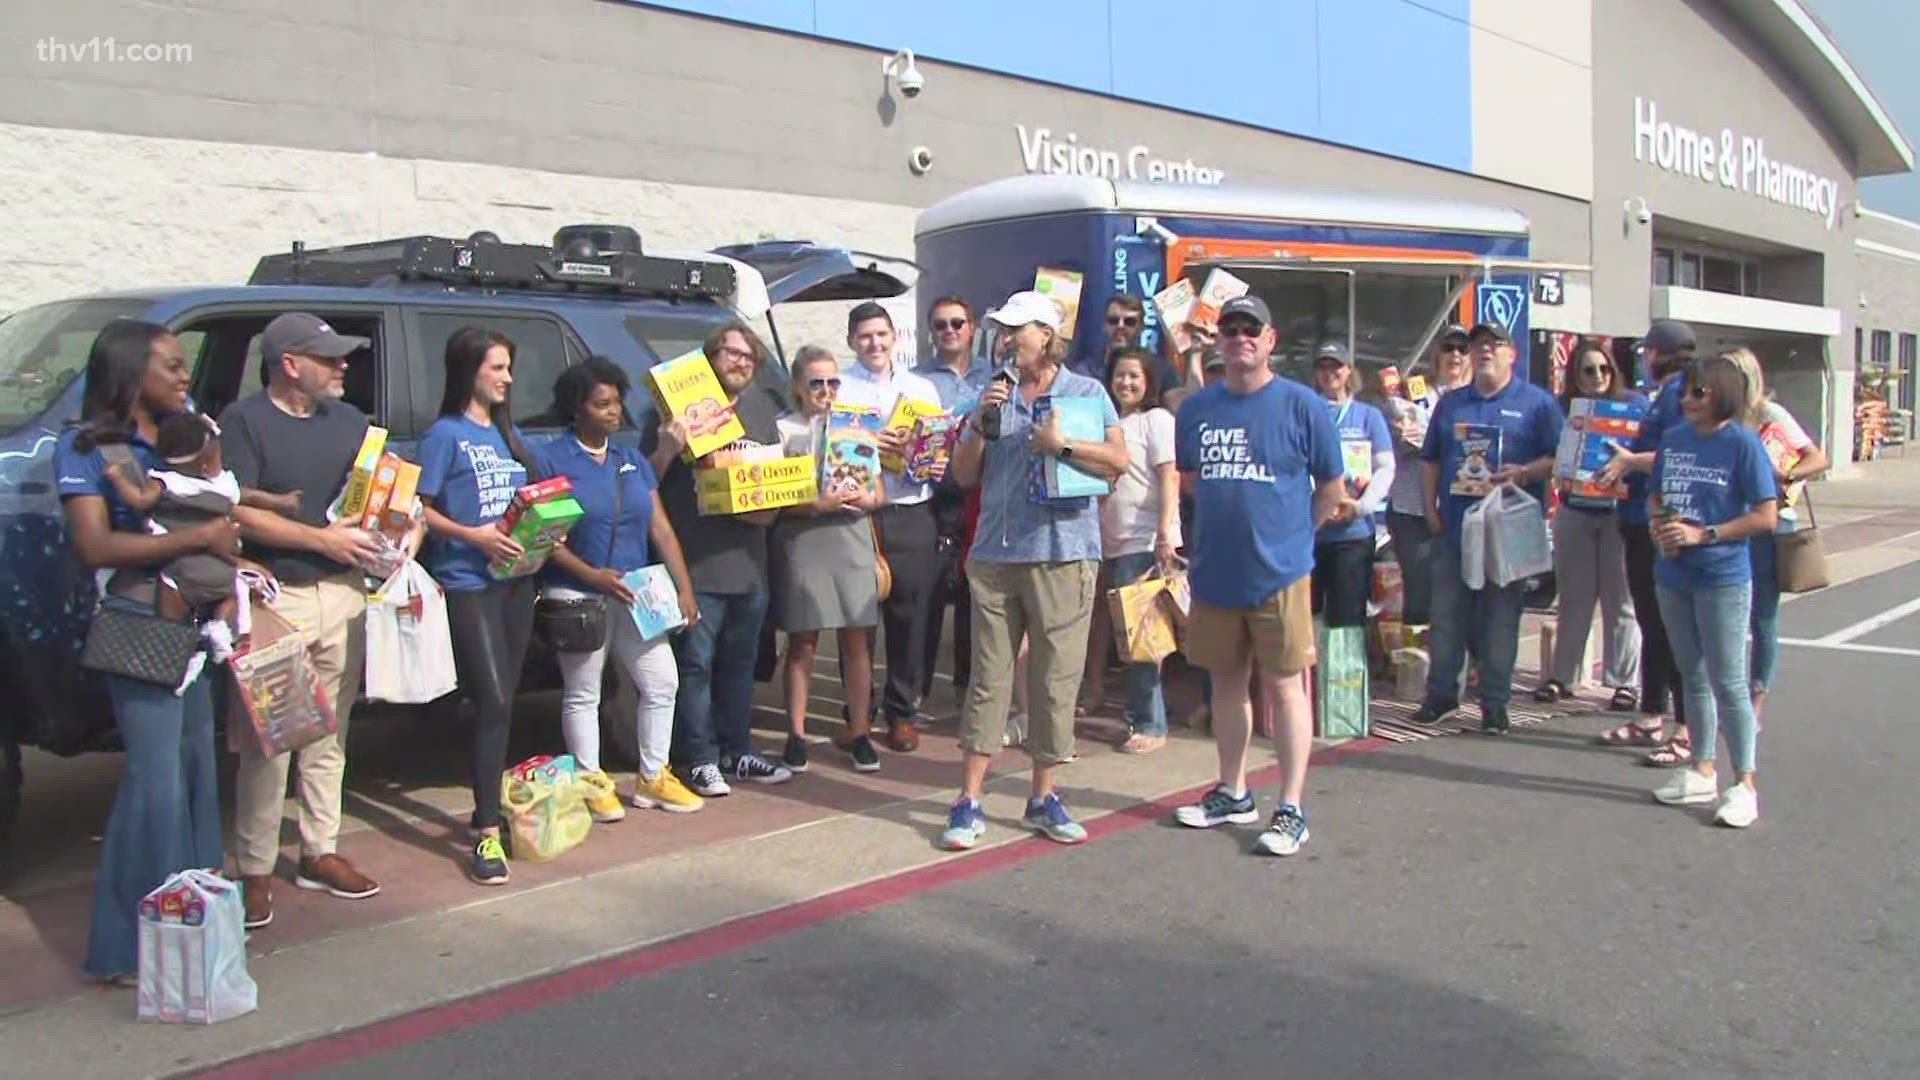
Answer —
1027 307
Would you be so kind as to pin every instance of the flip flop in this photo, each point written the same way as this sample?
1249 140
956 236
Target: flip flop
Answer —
1632 734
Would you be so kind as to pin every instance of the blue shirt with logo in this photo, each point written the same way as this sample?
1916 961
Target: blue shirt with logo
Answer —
468 473
602 537
1529 421
1663 414
1256 459
1363 433
1710 479
85 473
1012 527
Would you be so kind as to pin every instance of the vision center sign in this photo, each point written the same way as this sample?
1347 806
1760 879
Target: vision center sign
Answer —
1732 160
1043 152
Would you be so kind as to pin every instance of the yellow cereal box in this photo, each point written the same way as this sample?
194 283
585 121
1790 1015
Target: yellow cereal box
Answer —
746 500
1175 305
1219 288
398 520
686 389
723 481
352 500
1063 288
906 412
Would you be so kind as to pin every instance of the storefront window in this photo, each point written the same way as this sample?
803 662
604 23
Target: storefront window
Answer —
1689 271
1663 266
1392 314
1720 275
1882 348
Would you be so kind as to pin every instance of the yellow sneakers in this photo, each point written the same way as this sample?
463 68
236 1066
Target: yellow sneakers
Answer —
603 800
665 792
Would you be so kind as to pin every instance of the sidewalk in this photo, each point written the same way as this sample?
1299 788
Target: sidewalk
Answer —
328 965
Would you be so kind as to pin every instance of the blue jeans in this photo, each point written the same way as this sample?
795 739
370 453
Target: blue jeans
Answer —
1765 620
1484 624
714 710
165 817
1708 629
1146 710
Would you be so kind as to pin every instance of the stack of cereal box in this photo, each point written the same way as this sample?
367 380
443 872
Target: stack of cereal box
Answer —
351 503
686 389
539 519
1595 427
747 477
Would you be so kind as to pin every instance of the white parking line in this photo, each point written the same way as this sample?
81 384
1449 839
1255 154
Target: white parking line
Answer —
1842 646
1868 626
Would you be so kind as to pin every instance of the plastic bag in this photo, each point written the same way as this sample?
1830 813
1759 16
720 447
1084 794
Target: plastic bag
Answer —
193 952
545 807
1473 543
1518 546
409 641
280 701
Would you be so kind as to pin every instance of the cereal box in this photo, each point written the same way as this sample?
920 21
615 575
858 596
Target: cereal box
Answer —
1049 478
1479 459
537 529
747 500
403 503
1357 456
905 412
850 453
1175 305
352 500
1063 288
381 491
529 495
1784 458
1220 287
932 442
686 389
725 480
1587 443
656 602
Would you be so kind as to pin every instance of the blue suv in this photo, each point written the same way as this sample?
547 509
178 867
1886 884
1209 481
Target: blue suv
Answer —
592 292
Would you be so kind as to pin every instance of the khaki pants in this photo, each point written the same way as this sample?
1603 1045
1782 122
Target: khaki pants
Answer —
1049 604
329 616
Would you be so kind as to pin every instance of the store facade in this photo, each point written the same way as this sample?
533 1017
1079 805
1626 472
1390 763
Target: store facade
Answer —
704 122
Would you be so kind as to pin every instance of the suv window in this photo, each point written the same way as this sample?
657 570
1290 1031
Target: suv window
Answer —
666 336
43 349
224 351
540 353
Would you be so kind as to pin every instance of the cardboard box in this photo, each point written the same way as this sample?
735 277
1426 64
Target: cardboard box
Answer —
686 389
656 602
1220 287
1063 288
380 492
1175 305
850 452
1479 459
724 481
747 500
529 495
1357 456
352 500
906 412
1784 458
1050 479
1416 386
537 529
403 504
931 443
1587 444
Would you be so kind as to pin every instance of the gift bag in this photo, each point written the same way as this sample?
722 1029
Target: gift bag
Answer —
279 701
193 952
545 807
1518 546
1142 621
409 642
1473 544
1340 678
1179 598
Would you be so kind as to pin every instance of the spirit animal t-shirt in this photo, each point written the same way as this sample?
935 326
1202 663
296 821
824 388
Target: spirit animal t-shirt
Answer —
468 473
1710 479
1363 435
1255 459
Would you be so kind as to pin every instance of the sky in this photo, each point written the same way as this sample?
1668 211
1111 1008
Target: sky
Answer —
1878 37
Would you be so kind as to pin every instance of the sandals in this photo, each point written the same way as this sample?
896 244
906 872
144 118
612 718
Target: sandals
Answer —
1141 743
1551 691
1632 734
1624 700
1677 751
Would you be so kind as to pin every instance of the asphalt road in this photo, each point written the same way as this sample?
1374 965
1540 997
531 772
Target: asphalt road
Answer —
1466 908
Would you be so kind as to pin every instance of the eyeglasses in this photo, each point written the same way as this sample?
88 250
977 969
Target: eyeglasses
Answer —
1128 321
1452 347
1595 369
817 385
949 324
1241 329
728 353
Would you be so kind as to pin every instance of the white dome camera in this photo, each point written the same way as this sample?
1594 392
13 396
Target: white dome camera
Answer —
905 73
920 160
1639 211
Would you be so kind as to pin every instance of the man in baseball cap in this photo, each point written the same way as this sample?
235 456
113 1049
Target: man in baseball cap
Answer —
300 334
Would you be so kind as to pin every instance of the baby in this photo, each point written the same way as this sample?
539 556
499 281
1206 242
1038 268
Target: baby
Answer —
196 487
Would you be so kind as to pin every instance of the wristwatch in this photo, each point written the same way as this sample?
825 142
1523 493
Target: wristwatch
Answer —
1713 535
1066 451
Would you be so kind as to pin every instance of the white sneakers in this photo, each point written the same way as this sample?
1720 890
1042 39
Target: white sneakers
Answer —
1737 808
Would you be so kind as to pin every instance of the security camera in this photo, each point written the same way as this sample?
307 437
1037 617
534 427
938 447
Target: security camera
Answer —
904 72
920 160
1638 209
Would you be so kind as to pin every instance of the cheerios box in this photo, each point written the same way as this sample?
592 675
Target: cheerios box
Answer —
686 389
754 497
906 414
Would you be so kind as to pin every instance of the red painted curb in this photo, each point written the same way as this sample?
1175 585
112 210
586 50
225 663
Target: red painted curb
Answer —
704 944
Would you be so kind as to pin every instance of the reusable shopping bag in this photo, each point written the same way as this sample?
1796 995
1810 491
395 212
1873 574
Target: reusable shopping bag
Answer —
1340 679
1518 546
409 641
545 807
280 700
193 952
1142 620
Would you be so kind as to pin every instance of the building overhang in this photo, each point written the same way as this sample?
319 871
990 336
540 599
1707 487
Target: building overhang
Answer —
1818 66
1705 308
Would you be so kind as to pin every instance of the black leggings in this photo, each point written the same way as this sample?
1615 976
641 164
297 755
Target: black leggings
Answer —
1659 675
490 631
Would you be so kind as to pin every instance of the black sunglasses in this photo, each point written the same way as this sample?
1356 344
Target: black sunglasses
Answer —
823 384
1454 347
1595 369
949 324
1123 320
1240 329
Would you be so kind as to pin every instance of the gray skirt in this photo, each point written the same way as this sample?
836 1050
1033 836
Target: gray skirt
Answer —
822 573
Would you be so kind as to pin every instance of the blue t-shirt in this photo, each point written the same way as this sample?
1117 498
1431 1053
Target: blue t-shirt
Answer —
599 532
1363 434
469 474
1012 527
1710 479
1529 421
1664 413
77 473
1256 459
1592 505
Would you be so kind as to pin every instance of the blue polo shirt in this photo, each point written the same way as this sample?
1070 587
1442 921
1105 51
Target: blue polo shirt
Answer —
1710 479
1256 459
1362 430
468 473
1015 529
955 389
1529 421
602 538
1663 414
77 473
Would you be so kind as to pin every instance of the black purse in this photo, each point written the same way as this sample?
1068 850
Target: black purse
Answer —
129 639
576 624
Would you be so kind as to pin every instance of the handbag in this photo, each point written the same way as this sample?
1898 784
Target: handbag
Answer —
578 624
882 570
1800 556
130 640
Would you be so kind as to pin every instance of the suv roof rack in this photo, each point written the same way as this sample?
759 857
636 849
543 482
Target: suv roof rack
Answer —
482 261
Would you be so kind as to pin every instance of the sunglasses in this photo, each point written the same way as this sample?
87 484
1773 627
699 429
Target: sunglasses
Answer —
1596 369
817 385
1240 329
1454 348
949 324
1123 320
